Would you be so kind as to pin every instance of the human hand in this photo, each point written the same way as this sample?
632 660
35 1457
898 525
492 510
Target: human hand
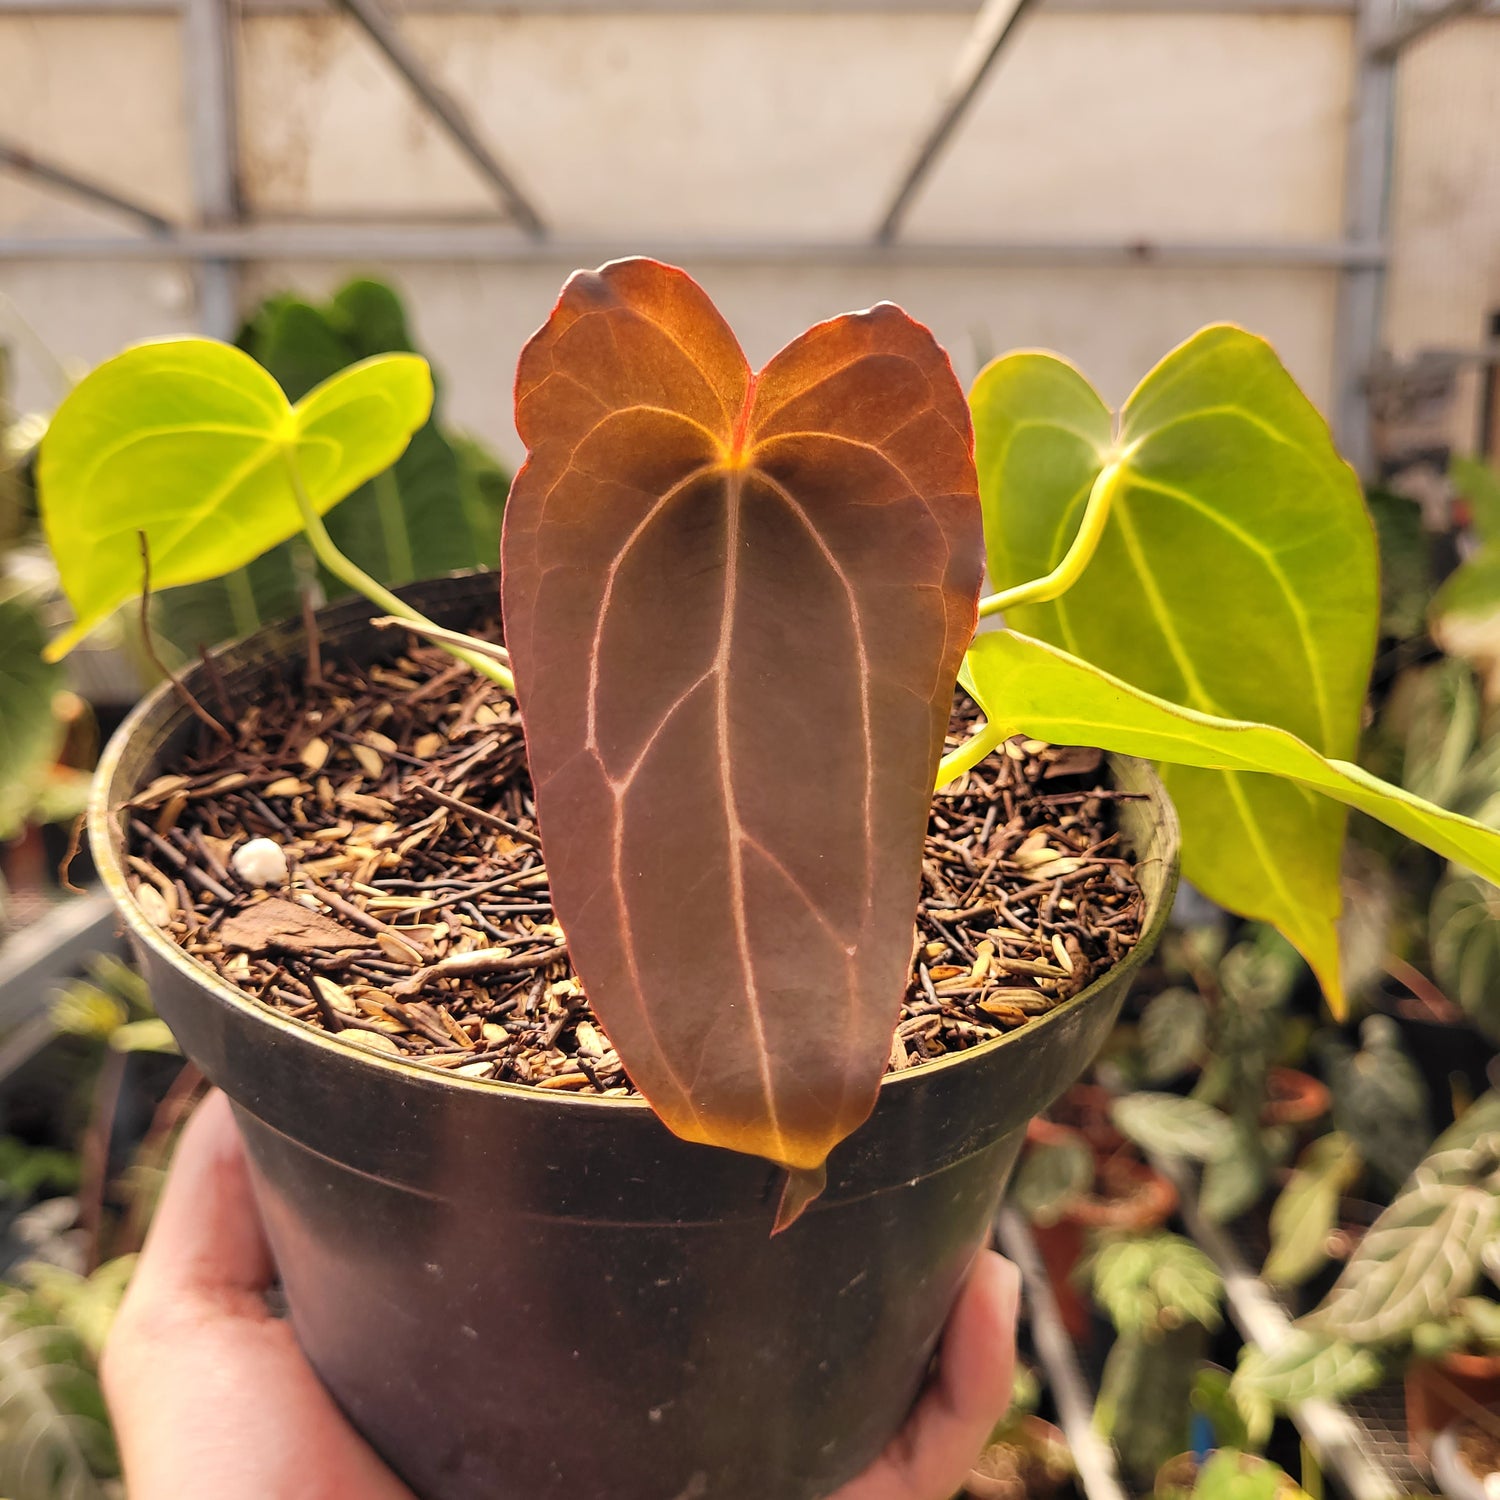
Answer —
211 1395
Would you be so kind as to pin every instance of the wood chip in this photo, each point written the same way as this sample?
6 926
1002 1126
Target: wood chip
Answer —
282 926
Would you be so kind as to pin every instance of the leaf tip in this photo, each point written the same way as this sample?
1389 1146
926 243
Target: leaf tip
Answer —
803 1185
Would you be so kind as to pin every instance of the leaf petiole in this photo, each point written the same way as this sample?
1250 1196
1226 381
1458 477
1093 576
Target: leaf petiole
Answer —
1039 591
968 755
1078 556
347 572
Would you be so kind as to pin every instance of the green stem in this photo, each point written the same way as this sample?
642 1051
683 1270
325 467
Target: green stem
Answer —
968 755
357 579
1056 583
1075 560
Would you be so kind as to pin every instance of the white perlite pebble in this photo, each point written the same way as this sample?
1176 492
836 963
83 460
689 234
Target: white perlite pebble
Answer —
260 862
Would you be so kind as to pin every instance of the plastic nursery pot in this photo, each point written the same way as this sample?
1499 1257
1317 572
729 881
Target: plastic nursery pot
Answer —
516 1294
1440 1390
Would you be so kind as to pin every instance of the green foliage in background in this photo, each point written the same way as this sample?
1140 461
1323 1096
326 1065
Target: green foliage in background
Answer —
30 733
1407 1288
436 510
1162 1294
55 1439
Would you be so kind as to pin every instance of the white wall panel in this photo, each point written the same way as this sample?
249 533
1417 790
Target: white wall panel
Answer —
101 96
1113 324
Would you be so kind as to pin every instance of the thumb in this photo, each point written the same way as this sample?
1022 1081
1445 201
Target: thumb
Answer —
929 1457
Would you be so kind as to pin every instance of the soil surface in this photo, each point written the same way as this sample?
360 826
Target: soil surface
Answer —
417 920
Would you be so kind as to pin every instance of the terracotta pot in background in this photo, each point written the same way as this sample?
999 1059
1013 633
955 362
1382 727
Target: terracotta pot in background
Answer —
1438 1391
1086 1108
1127 1195
1296 1098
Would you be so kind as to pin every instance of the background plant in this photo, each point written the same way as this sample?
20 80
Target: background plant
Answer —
1162 1295
1407 1288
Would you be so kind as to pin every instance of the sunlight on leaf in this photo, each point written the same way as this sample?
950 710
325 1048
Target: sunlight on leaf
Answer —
1236 575
1035 689
185 439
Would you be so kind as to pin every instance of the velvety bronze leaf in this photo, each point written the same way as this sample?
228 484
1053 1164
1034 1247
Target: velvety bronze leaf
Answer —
736 606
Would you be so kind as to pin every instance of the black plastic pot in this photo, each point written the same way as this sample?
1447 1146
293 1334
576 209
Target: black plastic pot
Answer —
518 1295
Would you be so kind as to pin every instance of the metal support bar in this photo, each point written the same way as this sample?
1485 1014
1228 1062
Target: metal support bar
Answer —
993 27
20 160
1094 1458
48 952
208 55
1413 24
1357 337
498 245
709 8
445 109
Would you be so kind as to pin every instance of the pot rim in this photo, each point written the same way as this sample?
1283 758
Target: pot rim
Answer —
102 832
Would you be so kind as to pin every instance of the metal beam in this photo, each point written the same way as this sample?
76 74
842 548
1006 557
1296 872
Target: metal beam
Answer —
445 109
20 160
1357 334
51 950
708 8
500 245
208 57
1411 24
993 27
1094 1457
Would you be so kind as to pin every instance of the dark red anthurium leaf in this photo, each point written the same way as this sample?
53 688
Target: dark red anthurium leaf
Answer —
736 605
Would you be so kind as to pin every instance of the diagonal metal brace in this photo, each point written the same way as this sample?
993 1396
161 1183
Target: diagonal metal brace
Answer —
1416 22
445 109
22 161
993 28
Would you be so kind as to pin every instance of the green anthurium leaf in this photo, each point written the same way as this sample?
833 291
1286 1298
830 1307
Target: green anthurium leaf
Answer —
1029 687
1479 1120
1464 939
1422 1254
1239 1476
1234 1180
1236 574
186 440
419 519
1405 563
1306 1212
149 1035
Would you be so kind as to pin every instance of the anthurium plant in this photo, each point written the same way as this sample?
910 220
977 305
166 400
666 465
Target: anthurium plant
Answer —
735 605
